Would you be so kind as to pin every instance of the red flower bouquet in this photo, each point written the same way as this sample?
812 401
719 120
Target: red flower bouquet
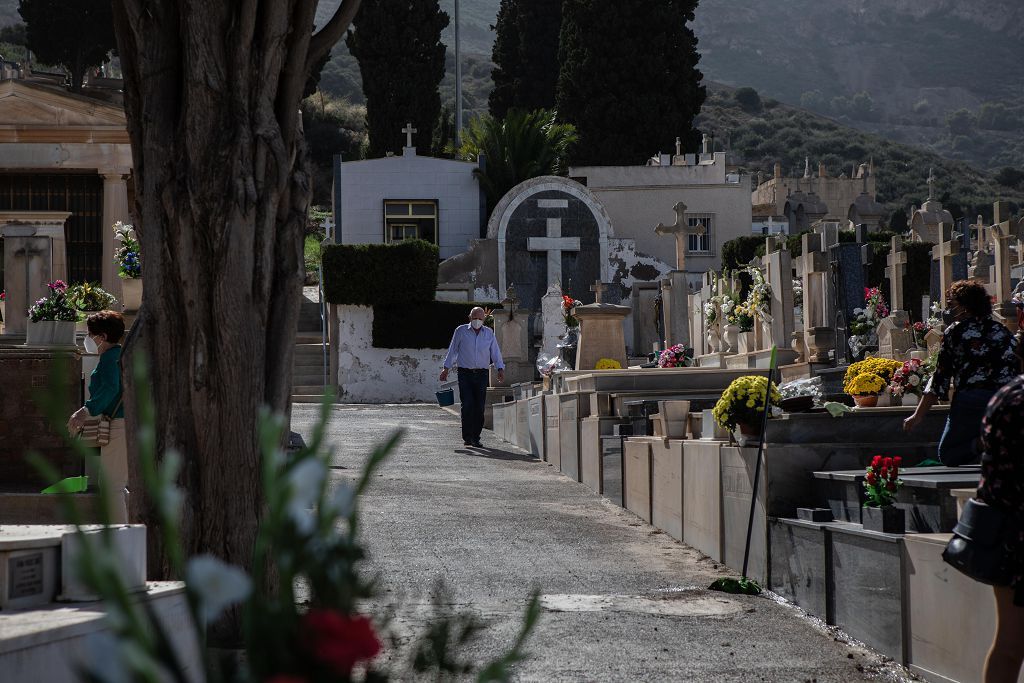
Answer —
882 481
337 641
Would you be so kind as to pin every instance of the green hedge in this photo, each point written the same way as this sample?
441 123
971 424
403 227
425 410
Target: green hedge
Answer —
427 325
369 274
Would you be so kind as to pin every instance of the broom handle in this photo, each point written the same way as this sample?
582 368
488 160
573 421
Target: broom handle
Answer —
757 465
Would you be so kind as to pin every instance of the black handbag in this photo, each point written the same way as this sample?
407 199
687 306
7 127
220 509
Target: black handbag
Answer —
978 547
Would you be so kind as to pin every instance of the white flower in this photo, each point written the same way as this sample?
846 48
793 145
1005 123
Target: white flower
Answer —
858 311
305 483
914 380
342 500
216 584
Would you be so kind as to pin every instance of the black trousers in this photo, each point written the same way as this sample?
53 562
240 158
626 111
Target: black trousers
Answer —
473 394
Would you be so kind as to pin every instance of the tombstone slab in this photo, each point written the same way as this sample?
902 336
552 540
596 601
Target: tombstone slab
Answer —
34 254
601 335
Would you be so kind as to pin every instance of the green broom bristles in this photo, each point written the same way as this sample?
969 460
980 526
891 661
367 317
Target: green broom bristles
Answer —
741 586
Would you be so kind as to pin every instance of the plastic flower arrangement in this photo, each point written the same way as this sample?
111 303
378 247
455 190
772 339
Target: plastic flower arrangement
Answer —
568 304
728 307
883 367
909 379
54 306
882 481
677 356
608 364
89 297
711 310
744 316
759 298
743 401
865 384
127 256
865 322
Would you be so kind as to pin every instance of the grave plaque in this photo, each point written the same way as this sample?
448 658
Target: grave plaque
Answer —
25 575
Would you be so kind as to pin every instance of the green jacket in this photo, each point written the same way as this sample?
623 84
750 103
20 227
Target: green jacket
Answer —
105 385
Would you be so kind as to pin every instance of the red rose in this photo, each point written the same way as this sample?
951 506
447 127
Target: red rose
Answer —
887 463
339 641
891 486
876 461
872 478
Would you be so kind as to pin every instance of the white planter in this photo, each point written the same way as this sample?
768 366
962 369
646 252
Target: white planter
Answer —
911 399
50 333
884 400
732 333
714 342
131 293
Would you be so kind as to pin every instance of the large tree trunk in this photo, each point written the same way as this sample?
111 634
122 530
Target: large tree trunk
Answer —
212 92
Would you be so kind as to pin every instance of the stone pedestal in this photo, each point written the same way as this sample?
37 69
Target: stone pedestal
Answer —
512 332
676 290
601 334
34 254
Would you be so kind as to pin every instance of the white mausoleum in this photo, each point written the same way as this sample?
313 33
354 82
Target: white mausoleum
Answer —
380 201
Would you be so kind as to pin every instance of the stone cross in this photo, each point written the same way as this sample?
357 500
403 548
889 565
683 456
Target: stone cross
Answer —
1001 237
679 230
896 265
944 253
512 300
598 289
409 130
679 146
982 237
554 244
931 182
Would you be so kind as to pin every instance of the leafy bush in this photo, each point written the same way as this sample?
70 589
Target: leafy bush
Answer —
404 273
427 325
737 252
89 297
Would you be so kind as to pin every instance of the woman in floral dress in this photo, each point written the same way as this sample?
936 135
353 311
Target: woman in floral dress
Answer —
978 356
1002 487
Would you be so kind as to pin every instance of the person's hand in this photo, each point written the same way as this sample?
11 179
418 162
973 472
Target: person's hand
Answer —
501 376
910 424
444 375
77 420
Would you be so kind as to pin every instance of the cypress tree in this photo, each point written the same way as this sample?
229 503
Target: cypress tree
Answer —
629 80
401 59
525 56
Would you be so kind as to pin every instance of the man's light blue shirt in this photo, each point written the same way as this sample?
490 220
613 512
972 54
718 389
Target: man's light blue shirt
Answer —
473 350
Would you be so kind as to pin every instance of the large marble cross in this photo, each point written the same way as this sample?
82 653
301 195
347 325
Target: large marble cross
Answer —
982 239
554 244
409 130
896 264
681 231
944 252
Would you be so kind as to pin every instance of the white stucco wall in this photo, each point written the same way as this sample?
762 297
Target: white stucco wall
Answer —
366 184
637 198
370 375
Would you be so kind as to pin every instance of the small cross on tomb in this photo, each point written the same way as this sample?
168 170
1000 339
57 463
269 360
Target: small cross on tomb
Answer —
680 230
944 253
554 244
982 232
409 130
931 183
897 263
598 289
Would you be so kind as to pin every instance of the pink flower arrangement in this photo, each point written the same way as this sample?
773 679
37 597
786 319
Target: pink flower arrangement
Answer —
677 356
909 379
873 298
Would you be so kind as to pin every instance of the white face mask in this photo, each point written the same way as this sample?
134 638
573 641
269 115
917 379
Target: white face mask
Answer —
90 345
476 323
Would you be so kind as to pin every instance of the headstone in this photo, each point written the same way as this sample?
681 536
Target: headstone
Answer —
511 328
943 254
677 301
897 264
601 335
34 254
895 339
848 271
645 319
819 336
550 230
552 320
779 274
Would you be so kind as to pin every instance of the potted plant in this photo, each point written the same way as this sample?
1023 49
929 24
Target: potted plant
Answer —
742 405
88 298
865 323
729 315
677 356
908 382
881 482
865 388
128 258
51 320
570 340
883 367
608 364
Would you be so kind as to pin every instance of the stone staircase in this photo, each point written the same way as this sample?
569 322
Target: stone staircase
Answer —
308 366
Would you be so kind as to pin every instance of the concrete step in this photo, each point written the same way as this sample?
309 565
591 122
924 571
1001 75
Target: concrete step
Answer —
307 398
308 389
307 347
309 337
314 379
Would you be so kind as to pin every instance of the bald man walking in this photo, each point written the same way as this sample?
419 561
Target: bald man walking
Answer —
473 349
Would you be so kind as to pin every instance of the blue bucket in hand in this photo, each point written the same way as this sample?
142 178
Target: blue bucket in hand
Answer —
445 397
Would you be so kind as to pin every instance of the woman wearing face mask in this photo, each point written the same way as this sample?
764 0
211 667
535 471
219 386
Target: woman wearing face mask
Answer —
105 398
978 355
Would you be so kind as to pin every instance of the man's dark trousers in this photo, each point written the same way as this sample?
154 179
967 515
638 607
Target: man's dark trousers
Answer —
473 394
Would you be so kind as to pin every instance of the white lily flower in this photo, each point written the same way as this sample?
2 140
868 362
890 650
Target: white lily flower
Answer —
305 482
216 584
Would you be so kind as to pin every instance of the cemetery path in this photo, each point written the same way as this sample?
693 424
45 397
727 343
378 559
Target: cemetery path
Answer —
622 600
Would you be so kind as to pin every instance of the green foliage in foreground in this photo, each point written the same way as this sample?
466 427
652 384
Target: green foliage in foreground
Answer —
308 538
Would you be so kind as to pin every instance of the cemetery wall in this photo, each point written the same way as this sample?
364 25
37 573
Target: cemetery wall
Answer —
371 375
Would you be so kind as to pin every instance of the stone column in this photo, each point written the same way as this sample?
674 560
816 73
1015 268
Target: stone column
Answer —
115 208
34 254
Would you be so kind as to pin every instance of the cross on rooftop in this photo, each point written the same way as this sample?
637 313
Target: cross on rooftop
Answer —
931 182
409 130
598 289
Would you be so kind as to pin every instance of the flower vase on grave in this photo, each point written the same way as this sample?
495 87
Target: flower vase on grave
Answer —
884 400
909 399
714 340
732 333
866 400
131 293
888 519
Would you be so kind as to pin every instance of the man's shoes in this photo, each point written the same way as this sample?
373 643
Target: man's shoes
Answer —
477 444
467 443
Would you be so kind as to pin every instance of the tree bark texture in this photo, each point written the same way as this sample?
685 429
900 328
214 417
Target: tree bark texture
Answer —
212 92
